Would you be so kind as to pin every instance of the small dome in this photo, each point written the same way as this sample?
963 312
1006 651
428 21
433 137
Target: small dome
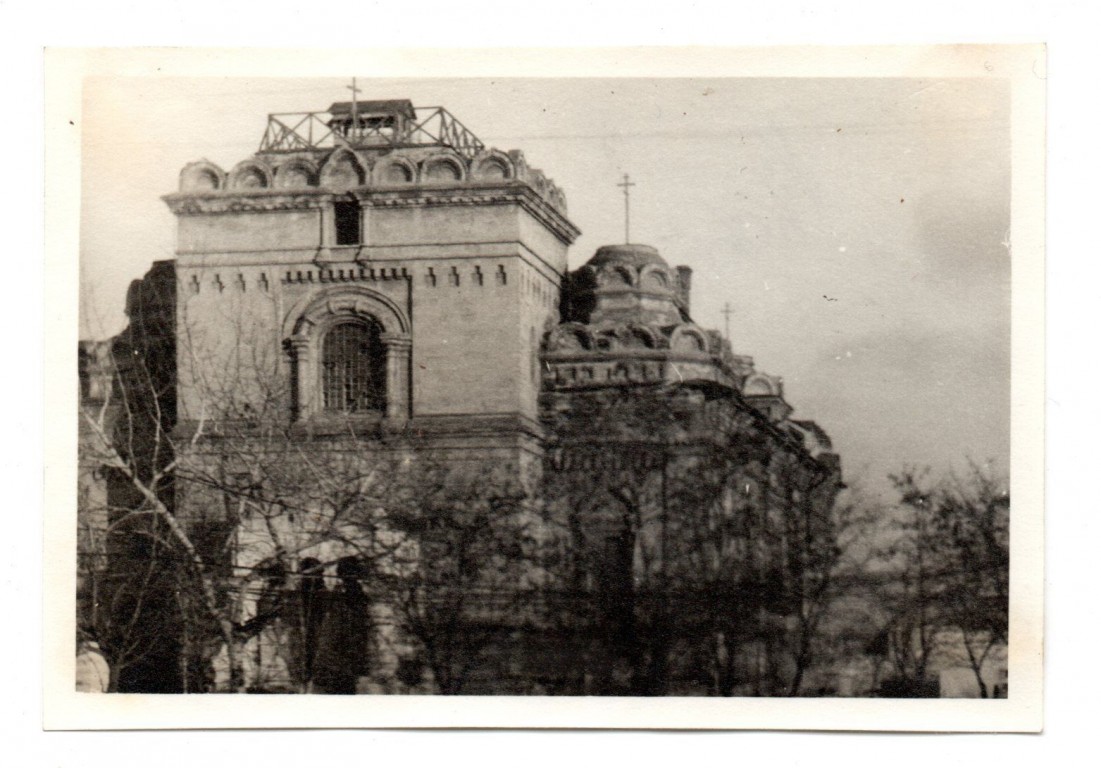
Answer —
624 284
633 255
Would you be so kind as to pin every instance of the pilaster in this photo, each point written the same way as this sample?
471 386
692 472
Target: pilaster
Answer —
328 230
304 378
398 349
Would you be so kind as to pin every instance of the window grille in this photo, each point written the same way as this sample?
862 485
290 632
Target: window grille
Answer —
353 362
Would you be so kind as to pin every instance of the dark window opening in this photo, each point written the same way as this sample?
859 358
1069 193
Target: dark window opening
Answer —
347 222
353 363
378 123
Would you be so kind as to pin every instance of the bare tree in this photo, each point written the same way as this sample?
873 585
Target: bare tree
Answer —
908 585
956 535
680 535
232 495
462 581
123 601
827 564
605 485
687 502
942 576
128 407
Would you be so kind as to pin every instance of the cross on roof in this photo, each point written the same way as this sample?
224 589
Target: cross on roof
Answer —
727 311
354 91
626 184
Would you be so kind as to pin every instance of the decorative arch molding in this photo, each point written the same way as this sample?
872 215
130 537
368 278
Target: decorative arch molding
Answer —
442 168
311 311
298 172
250 174
394 170
716 343
519 163
306 325
688 338
493 165
202 176
539 182
569 337
760 385
654 277
628 336
558 199
343 169
633 335
616 276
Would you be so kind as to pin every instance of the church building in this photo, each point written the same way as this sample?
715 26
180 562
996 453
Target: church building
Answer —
376 353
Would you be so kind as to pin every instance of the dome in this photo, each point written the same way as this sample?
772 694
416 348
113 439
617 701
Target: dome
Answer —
627 283
633 255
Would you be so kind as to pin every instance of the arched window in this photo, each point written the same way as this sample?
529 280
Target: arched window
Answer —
353 368
351 351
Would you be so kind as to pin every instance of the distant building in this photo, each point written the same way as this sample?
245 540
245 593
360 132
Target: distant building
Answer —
382 285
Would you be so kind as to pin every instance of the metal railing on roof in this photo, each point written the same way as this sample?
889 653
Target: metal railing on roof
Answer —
305 131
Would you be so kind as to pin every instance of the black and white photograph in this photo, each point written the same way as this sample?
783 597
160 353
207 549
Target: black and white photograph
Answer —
563 389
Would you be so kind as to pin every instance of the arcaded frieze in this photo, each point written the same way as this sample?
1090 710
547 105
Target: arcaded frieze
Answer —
345 169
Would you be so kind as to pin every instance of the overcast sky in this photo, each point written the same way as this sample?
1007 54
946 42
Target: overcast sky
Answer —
857 227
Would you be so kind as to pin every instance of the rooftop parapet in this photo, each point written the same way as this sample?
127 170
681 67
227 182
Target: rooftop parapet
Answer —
393 124
365 146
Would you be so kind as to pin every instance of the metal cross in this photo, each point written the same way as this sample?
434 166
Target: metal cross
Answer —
727 312
354 91
627 184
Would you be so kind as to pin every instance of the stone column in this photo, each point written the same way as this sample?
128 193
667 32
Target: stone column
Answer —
398 347
361 257
304 378
328 228
364 220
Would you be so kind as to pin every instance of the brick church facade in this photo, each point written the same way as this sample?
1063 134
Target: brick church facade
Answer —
375 305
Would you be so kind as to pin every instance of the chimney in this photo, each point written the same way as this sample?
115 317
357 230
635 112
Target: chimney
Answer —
684 287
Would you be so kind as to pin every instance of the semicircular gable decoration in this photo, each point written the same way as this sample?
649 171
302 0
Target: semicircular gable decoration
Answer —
689 339
440 169
494 166
655 279
638 336
394 171
295 174
758 386
539 182
615 276
202 176
250 175
519 164
558 199
569 337
342 170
